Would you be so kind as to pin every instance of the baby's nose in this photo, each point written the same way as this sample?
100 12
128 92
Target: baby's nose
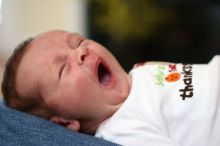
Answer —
83 53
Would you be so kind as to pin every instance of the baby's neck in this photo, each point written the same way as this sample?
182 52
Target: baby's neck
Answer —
90 127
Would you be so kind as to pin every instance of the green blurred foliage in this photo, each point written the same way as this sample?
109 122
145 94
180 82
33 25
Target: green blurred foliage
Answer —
126 20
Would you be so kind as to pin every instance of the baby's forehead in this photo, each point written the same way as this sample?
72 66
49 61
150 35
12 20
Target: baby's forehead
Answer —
50 43
47 46
57 33
53 37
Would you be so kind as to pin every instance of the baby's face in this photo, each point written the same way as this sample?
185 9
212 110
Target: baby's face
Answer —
76 77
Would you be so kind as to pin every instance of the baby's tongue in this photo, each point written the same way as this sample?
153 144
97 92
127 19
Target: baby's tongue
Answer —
105 78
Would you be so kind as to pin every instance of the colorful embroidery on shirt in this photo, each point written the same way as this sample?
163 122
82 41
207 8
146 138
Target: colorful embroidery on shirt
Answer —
173 77
172 67
170 75
160 76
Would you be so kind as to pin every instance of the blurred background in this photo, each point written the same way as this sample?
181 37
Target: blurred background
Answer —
133 30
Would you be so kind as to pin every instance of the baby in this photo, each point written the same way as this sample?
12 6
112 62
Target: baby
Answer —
77 83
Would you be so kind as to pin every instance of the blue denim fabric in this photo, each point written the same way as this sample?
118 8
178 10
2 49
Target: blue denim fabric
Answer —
21 129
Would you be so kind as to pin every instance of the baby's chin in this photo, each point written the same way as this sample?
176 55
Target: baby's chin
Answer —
127 88
125 92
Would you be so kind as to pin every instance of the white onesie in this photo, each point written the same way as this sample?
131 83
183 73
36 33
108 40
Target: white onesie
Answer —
169 105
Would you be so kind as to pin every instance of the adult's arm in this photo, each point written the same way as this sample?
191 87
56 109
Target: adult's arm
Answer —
21 129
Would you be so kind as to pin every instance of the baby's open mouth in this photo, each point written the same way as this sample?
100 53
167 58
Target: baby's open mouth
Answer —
104 74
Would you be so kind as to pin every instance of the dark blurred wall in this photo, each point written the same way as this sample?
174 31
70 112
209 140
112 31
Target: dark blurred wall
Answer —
186 31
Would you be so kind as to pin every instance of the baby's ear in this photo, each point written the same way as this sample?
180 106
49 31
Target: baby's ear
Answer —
70 124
